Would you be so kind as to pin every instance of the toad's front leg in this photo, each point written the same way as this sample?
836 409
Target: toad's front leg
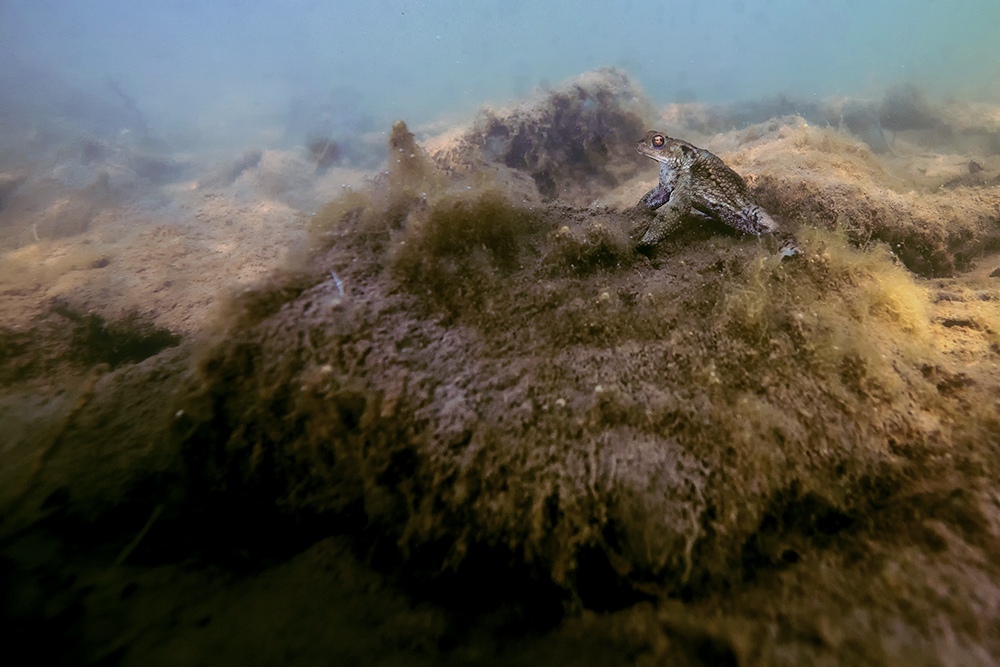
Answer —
673 204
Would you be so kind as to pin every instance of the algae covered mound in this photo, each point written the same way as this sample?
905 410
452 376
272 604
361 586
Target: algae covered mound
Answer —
574 142
467 422
479 388
825 177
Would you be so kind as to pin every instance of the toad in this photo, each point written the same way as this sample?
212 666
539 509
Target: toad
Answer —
695 181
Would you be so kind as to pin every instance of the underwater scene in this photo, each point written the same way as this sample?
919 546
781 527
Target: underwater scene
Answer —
439 333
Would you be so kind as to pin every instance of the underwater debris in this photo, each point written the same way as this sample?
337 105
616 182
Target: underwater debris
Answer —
9 182
93 151
121 157
409 165
863 120
227 174
976 177
137 120
572 140
157 169
907 108
324 152
130 339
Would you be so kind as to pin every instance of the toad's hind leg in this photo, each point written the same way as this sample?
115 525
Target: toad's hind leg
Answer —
751 220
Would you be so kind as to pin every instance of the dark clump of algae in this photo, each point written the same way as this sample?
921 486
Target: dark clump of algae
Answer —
503 401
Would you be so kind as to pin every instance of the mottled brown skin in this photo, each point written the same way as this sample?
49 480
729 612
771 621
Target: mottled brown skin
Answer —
693 180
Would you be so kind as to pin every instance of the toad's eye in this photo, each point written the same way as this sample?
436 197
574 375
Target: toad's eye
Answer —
658 141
